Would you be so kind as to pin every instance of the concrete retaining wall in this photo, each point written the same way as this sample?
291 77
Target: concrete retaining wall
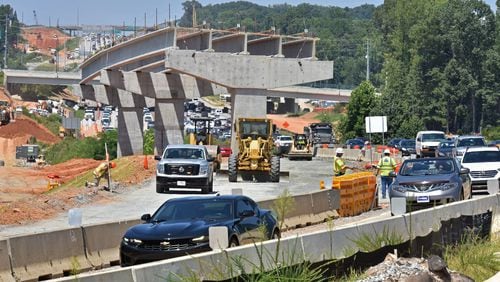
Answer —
315 247
354 154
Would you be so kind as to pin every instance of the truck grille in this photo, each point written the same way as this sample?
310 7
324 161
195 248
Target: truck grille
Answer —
182 169
174 245
419 187
483 174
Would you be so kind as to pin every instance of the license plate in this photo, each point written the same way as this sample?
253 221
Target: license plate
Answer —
181 183
423 199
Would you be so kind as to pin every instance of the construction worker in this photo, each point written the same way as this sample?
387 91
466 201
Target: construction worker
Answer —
101 171
385 166
339 167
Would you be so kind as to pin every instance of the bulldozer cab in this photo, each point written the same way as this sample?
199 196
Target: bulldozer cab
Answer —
254 128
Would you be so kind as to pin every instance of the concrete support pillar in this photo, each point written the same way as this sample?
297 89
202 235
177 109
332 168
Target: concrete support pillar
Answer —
130 131
244 105
169 123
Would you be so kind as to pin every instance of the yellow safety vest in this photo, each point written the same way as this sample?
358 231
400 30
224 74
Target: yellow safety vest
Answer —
338 166
386 165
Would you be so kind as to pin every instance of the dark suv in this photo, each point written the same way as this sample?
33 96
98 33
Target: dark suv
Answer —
431 181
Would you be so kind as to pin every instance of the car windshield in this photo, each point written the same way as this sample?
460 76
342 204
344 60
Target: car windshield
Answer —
286 138
482 157
429 137
408 143
466 142
253 128
197 209
427 167
184 153
446 145
323 130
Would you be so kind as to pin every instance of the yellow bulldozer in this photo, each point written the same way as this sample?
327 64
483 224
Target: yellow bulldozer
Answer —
255 151
202 136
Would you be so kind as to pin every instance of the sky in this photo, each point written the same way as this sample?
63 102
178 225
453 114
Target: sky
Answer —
117 12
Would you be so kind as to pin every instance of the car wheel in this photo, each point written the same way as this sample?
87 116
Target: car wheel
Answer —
161 188
211 186
233 242
275 235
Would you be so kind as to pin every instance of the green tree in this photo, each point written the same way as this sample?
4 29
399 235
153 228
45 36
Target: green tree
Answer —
360 105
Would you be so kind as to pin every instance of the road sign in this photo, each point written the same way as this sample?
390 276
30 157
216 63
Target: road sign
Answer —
376 124
286 124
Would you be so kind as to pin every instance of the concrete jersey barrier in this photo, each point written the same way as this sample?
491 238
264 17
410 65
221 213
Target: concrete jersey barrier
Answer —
102 242
5 270
47 255
314 247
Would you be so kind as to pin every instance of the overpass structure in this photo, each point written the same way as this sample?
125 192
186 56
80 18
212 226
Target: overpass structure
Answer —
172 64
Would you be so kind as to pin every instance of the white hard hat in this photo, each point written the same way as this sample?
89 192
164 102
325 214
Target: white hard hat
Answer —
386 151
339 151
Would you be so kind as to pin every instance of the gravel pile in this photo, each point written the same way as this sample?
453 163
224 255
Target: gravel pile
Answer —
412 270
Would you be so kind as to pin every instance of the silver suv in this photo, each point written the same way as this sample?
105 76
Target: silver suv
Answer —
464 142
184 166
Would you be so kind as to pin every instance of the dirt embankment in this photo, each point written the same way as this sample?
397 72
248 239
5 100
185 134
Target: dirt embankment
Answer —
17 133
44 38
23 191
294 124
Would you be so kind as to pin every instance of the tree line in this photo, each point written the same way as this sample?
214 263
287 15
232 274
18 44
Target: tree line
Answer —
434 64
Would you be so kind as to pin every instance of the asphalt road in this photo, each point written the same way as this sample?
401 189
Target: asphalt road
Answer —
304 177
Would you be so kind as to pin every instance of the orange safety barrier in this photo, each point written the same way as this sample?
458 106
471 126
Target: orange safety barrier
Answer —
357 191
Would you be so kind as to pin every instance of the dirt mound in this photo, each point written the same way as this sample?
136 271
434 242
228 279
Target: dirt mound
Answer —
43 38
24 127
293 124
22 190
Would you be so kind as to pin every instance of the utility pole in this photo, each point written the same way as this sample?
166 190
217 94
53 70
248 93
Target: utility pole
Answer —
156 18
5 45
367 60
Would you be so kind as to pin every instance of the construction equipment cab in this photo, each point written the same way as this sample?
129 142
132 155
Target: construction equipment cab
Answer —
255 151
202 135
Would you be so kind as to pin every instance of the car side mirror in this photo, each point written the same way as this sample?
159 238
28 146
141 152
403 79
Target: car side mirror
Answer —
392 174
146 217
418 139
247 213
158 158
464 170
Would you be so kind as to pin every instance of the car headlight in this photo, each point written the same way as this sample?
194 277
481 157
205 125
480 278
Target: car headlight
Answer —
399 188
204 169
200 239
424 147
448 186
161 168
404 149
132 241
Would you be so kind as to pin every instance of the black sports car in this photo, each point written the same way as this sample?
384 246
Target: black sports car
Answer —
180 227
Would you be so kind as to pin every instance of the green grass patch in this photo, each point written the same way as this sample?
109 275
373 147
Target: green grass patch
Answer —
46 67
73 43
78 181
329 117
51 122
475 257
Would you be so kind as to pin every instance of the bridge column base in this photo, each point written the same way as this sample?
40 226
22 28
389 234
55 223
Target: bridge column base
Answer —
169 123
130 131
249 106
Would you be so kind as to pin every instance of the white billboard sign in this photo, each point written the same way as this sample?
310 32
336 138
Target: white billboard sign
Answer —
376 124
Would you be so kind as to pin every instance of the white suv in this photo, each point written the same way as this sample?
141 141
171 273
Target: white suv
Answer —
484 165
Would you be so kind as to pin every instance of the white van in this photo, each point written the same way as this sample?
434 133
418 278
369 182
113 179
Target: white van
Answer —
426 142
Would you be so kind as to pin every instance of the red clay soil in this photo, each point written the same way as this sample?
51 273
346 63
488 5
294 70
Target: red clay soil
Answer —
42 38
294 124
27 127
22 191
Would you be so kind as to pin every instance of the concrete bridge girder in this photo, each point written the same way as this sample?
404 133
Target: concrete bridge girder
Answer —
261 72
161 85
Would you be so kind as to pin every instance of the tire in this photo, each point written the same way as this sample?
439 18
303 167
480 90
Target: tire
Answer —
309 158
233 168
276 235
161 189
206 189
274 174
233 242
315 151
211 186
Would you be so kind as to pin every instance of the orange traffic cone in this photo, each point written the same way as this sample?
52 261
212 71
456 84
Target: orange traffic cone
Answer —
146 166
